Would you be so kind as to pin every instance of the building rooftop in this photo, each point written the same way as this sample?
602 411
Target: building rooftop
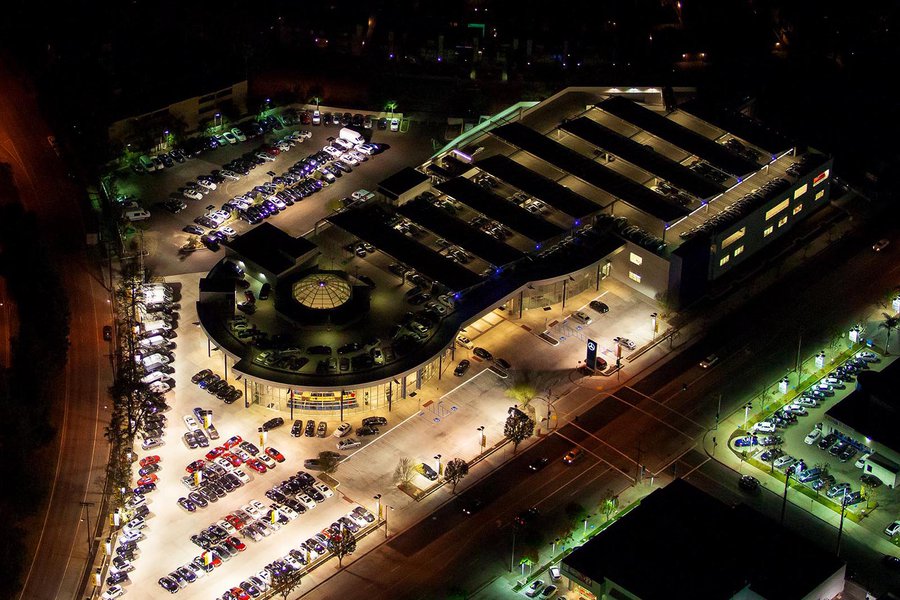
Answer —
873 408
513 216
543 188
401 182
671 131
270 247
642 156
681 538
590 171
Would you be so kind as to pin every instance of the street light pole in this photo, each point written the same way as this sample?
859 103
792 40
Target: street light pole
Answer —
787 479
512 556
841 526
480 440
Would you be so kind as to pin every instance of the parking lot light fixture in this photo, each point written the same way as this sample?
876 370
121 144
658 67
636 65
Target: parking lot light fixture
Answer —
377 498
481 440
437 467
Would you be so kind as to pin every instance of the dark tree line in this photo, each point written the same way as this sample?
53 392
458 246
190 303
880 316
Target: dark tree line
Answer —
31 382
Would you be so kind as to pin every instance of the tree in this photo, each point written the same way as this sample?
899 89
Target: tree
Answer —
284 584
455 470
519 427
890 323
405 471
391 106
523 386
575 512
608 504
342 544
328 461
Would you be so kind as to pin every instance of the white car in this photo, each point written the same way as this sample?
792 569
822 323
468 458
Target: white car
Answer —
811 438
192 194
265 156
306 501
226 526
241 454
239 473
349 159
464 342
892 529
228 231
304 134
316 118
348 444
358 156
287 511
763 427
868 356
861 461
114 591
191 423
267 460
195 570
159 387
323 489
230 175
296 564
810 402
222 462
239 135
210 185
625 342
366 149
334 152
259 506
342 430
230 137
783 461
395 124
251 510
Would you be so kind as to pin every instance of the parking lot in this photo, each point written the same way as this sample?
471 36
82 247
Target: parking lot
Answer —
804 445
162 232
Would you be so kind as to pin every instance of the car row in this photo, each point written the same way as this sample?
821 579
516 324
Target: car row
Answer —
217 386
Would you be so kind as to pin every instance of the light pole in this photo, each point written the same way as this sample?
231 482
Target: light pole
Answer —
787 479
747 408
86 506
654 322
218 120
512 556
555 542
386 510
586 517
480 440
377 498
437 468
841 527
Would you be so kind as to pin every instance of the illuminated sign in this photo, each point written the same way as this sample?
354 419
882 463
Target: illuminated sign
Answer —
591 360
821 177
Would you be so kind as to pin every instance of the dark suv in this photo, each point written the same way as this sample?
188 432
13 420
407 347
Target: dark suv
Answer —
273 423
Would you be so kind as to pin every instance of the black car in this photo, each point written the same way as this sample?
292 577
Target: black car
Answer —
273 423
367 430
538 463
351 347
472 506
116 578
600 307
297 428
461 368
310 430
482 353
373 421
748 483
319 350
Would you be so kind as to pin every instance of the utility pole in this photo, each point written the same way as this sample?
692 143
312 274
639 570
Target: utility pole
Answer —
787 479
86 507
841 527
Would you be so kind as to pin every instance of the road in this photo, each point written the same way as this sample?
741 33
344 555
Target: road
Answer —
644 423
76 458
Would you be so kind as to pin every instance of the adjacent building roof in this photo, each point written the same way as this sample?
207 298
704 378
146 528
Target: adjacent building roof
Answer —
513 216
747 128
873 408
681 538
543 188
667 129
459 232
642 156
570 161
368 225
270 248
401 182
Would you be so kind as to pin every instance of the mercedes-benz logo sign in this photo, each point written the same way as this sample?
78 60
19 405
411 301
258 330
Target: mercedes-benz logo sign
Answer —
592 346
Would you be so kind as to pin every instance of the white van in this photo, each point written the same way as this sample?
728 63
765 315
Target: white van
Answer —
137 215
156 326
354 137
155 340
155 376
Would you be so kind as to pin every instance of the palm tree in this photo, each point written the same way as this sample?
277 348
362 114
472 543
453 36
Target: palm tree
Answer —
317 100
890 323
391 105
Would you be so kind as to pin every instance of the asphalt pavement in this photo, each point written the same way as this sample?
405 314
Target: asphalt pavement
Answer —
75 461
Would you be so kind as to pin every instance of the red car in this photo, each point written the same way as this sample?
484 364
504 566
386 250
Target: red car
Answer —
236 522
239 594
236 544
278 456
195 466
234 460
272 150
256 465
233 441
215 453
151 478
149 460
